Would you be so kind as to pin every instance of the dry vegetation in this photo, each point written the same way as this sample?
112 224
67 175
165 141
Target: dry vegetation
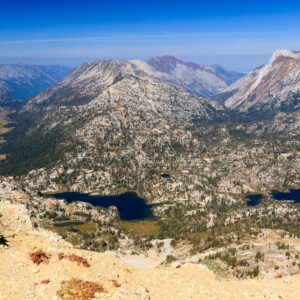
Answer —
141 228
75 289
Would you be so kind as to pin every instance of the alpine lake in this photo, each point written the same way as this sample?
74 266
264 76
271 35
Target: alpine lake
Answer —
293 195
135 213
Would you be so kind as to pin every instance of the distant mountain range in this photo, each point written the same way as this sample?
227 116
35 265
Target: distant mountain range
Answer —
26 81
202 80
272 88
112 84
131 104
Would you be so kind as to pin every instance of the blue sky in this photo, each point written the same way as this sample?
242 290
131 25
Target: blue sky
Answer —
240 35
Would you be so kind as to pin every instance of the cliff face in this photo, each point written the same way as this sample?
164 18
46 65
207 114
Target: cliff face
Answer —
21 278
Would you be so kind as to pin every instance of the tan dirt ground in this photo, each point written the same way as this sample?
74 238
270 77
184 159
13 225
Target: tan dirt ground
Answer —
20 278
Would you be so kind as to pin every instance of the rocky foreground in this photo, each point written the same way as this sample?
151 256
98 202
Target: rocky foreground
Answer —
62 271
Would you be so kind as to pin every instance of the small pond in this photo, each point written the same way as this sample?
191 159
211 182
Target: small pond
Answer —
165 175
66 224
293 194
254 199
9 125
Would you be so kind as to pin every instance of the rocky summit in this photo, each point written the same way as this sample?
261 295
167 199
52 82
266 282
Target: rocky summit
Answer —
267 89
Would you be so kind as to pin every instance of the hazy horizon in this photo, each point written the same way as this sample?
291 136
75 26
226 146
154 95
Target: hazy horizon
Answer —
255 61
65 32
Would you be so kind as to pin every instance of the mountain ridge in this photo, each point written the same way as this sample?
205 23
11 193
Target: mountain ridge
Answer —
202 80
24 81
267 89
105 81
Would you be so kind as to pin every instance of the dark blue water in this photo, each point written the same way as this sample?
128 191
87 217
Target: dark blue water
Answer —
165 175
129 205
291 195
10 125
254 199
